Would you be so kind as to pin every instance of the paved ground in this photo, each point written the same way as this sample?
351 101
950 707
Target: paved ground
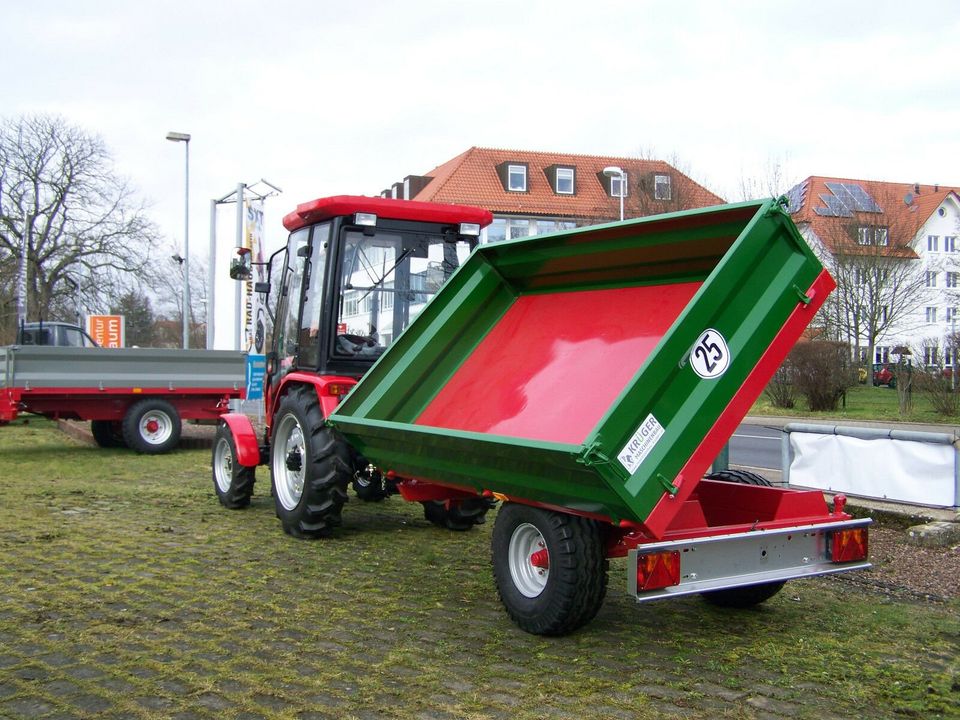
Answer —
127 592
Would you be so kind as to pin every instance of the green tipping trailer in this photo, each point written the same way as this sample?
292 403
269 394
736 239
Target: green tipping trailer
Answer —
585 379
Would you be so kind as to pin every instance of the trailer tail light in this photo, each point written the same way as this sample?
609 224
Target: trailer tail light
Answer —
657 570
848 545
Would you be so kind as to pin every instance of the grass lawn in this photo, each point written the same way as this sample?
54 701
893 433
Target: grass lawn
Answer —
864 403
126 591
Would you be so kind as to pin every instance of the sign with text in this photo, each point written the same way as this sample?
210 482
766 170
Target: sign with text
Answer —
256 370
107 330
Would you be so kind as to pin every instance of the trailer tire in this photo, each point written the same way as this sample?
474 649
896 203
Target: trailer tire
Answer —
742 477
750 595
567 594
107 433
458 515
151 427
232 481
310 467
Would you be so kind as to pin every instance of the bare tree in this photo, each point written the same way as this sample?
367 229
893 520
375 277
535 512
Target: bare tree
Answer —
880 283
773 183
84 232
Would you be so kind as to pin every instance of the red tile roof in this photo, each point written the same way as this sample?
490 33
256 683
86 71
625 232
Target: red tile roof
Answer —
471 178
905 207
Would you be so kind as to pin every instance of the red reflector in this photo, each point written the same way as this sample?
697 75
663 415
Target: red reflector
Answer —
848 545
658 570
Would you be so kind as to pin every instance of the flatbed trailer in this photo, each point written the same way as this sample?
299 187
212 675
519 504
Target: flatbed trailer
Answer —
135 396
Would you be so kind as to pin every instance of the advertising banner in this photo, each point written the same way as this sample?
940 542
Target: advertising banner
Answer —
108 331
255 319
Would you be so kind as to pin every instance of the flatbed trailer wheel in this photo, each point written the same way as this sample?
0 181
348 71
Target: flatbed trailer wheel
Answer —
748 595
459 515
550 568
232 481
309 467
107 433
152 427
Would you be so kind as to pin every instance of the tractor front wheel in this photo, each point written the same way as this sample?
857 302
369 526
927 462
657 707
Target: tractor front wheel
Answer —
232 481
550 568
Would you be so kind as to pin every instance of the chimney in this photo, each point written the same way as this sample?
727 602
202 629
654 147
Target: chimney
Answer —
936 187
916 188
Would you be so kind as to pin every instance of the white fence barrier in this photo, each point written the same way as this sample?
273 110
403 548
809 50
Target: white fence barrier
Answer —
898 465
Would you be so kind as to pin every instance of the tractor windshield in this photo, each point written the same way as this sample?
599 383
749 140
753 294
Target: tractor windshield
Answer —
385 281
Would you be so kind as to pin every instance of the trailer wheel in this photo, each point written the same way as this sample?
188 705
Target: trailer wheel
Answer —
550 568
459 515
309 467
232 481
750 595
151 427
107 433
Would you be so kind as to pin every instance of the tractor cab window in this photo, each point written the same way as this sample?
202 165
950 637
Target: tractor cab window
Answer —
296 333
386 279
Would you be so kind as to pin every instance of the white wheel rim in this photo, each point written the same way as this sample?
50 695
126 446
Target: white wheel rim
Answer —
288 481
156 427
528 579
223 465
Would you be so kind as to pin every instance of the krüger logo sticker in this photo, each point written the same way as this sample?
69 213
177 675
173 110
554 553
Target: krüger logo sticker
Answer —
639 446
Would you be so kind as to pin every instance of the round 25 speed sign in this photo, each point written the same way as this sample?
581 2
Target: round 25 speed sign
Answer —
710 356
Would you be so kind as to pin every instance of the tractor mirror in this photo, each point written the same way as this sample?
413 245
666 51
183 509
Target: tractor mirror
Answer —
241 266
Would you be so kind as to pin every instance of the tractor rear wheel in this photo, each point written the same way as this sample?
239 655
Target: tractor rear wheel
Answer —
749 595
550 568
232 481
310 467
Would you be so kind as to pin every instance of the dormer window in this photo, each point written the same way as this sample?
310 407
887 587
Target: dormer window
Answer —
619 185
562 179
517 178
661 187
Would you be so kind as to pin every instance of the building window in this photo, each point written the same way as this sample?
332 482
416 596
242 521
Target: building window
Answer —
868 235
616 186
661 187
564 184
950 243
933 243
953 279
884 314
517 229
951 314
517 178
497 230
930 355
932 279
931 314
881 354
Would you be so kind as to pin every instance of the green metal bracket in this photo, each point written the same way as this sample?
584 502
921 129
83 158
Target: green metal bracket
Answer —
591 455
804 298
667 484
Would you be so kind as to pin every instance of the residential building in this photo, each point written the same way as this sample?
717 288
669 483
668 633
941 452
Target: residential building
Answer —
894 250
530 193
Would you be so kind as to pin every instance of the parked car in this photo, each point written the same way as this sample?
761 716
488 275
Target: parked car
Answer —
59 334
883 375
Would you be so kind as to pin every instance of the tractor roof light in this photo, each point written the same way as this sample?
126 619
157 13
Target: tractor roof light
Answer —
365 219
472 229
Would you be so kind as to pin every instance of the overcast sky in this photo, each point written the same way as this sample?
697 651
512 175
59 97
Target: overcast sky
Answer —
323 97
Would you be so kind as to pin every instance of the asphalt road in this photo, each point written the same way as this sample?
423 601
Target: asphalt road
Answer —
756 446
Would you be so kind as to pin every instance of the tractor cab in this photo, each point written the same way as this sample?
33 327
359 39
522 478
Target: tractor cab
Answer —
354 273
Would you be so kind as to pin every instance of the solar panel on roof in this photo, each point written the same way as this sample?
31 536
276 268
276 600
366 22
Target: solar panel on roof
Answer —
835 207
795 197
864 202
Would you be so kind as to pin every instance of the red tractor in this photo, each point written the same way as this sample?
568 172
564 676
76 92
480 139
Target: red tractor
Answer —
354 273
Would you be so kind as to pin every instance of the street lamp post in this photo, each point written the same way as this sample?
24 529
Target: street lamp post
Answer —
185 139
614 171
